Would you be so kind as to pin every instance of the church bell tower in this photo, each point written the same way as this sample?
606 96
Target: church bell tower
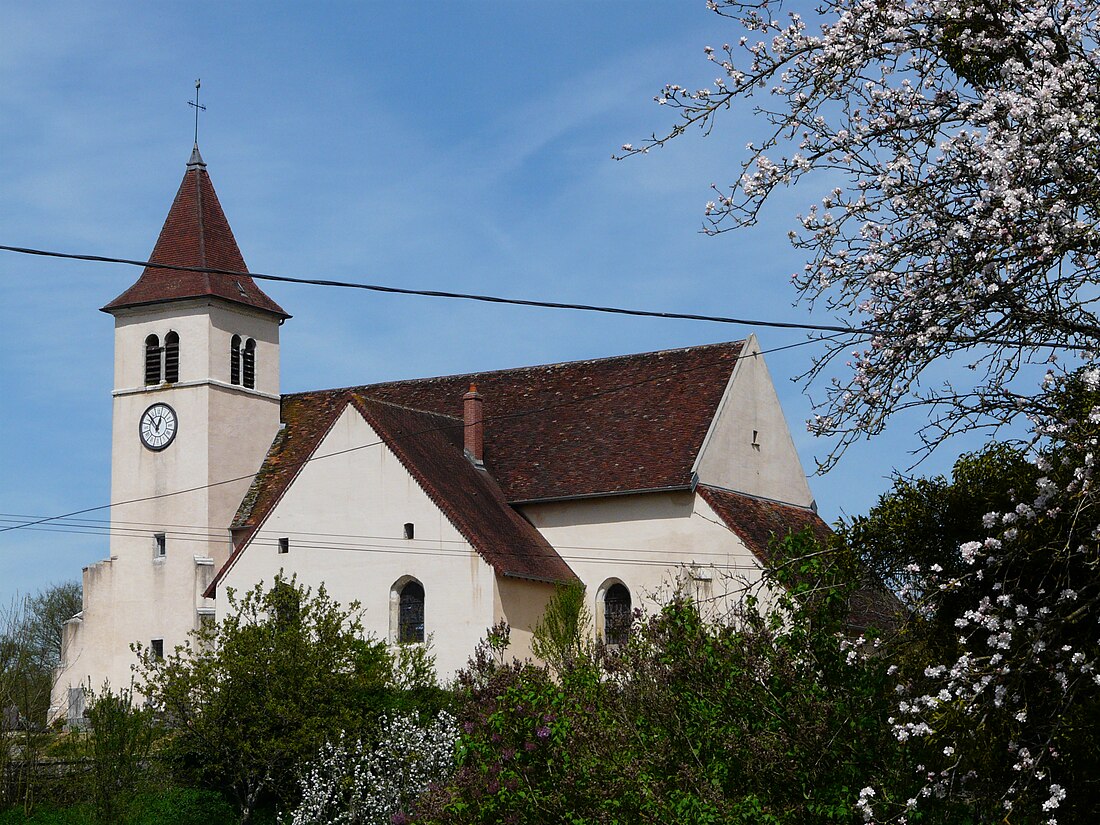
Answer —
196 406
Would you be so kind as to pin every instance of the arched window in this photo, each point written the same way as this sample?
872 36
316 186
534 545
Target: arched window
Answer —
410 613
235 360
152 360
171 358
248 367
616 614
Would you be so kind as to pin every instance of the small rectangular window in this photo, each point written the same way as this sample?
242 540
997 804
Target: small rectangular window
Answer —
409 530
157 648
160 546
284 546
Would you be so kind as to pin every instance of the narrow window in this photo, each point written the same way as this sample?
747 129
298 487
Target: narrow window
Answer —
160 546
409 530
171 358
284 546
616 614
235 360
410 625
157 648
152 360
249 365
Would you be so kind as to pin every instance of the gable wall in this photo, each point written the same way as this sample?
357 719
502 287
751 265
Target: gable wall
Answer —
362 499
749 448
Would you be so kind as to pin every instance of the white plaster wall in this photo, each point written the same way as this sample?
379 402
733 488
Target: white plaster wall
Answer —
749 447
223 433
648 542
521 603
206 328
344 517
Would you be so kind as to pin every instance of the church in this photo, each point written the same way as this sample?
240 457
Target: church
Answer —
443 505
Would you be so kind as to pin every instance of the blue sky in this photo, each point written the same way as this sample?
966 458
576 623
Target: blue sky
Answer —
460 146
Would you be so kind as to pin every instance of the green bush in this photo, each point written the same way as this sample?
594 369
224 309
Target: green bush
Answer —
171 806
182 806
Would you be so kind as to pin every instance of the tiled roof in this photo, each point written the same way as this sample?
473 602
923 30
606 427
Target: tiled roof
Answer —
196 234
429 446
580 428
756 522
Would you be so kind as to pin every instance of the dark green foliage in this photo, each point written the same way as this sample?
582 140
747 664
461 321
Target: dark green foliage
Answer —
252 698
121 740
924 520
172 806
761 719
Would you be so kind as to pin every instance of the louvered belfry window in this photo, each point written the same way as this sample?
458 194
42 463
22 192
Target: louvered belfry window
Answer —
235 360
248 367
152 360
616 615
410 624
171 358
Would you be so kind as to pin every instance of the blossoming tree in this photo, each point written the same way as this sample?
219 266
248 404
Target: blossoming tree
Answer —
955 145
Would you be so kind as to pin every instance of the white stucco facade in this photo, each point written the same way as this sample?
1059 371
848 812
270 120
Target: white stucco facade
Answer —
150 588
344 519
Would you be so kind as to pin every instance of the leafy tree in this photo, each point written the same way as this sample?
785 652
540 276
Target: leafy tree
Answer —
253 697
560 635
768 717
121 739
30 648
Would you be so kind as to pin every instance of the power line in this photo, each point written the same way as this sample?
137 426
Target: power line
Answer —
497 417
324 541
695 558
967 340
432 293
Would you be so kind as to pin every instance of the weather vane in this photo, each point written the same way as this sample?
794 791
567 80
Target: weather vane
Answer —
195 105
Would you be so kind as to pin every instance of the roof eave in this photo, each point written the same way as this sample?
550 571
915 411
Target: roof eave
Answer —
113 307
675 488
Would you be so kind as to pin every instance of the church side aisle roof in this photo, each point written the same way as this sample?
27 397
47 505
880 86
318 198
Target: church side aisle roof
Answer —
196 234
757 521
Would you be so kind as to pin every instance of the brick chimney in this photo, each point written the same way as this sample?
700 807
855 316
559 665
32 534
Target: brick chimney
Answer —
474 430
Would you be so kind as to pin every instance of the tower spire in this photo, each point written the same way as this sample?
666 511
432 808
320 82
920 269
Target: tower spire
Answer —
196 158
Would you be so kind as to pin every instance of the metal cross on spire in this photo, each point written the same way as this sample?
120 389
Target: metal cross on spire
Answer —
195 105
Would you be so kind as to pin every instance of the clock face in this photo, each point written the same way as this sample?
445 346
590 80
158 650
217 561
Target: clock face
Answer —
158 426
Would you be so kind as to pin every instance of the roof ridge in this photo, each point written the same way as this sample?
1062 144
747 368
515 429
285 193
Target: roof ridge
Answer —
418 410
505 370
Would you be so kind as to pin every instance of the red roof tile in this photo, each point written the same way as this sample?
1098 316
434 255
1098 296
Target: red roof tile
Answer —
429 446
196 234
757 521
581 428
